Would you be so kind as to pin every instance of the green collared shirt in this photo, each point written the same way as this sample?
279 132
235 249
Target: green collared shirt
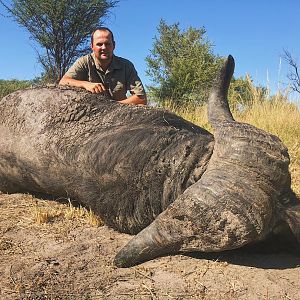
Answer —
120 77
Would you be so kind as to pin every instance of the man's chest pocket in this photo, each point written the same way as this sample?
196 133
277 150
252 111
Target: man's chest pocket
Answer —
117 85
118 90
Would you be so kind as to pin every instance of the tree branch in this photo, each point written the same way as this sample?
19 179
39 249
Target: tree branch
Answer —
293 75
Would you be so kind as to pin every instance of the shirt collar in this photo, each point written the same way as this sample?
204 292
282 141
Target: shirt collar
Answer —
114 65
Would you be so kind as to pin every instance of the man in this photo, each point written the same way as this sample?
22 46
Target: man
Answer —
103 72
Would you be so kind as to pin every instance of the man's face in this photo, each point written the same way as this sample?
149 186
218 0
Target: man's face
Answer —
103 46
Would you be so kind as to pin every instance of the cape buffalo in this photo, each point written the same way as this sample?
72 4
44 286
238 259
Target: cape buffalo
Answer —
148 172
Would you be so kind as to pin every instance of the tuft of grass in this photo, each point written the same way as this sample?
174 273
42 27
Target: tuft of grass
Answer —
93 219
73 212
41 217
44 213
83 214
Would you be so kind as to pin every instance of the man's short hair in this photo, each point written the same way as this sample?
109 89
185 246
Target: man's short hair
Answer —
102 29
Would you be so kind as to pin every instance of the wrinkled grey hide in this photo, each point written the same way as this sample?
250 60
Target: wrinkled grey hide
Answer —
127 163
140 167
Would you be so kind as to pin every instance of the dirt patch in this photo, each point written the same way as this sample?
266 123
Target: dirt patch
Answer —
65 257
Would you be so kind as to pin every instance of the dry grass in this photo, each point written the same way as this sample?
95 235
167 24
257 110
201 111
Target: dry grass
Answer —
83 214
196 115
44 213
282 119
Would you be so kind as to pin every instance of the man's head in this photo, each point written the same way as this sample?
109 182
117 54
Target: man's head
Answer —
103 44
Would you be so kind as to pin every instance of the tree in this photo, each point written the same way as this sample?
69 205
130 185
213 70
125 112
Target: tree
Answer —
60 27
293 75
9 86
181 65
243 93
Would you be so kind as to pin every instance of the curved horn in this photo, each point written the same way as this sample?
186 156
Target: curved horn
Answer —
233 203
218 108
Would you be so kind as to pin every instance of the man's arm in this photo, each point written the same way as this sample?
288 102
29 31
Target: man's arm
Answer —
134 86
134 99
77 76
97 87
93 87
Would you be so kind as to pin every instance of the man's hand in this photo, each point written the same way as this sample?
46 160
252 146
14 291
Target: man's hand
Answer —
94 87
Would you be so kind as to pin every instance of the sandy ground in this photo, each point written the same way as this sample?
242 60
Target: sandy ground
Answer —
49 250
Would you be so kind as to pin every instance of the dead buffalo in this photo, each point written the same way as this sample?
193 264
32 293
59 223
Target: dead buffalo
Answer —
147 170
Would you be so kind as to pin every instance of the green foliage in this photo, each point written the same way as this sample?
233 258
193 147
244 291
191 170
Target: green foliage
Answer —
60 27
9 86
243 94
181 65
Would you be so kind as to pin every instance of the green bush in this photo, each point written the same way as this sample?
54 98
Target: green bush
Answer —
181 65
9 86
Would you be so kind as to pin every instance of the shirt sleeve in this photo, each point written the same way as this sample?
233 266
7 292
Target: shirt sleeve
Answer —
134 83
79 70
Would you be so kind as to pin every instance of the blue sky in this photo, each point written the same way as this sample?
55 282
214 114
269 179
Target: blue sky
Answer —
255 32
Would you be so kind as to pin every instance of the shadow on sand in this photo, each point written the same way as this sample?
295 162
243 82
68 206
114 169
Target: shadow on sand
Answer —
271 254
